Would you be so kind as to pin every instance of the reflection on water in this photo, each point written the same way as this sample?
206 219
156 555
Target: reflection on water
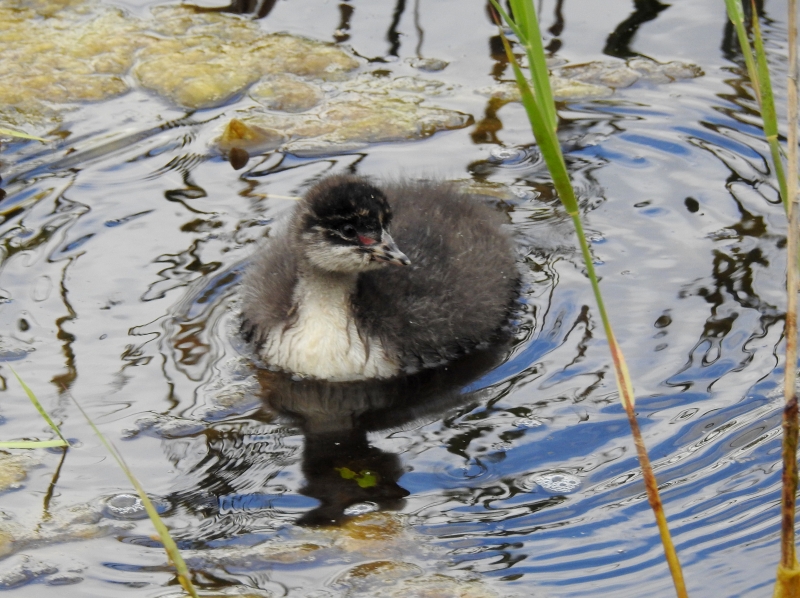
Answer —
340 466
122 244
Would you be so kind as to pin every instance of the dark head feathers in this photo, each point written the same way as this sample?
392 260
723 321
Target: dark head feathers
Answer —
346 199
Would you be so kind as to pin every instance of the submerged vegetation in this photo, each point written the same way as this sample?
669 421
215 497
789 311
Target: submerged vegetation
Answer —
13 469
310 97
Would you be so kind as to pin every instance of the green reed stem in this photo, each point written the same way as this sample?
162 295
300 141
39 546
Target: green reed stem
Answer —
540 108
184 577
755 58
736 15
30 444
788 582
19 135
768 113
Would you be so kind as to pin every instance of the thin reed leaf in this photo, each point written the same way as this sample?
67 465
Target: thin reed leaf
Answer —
32 444
173 553
42 412
768 114
787 583
19 135
537 61
545 131
511 24
736 15
545 137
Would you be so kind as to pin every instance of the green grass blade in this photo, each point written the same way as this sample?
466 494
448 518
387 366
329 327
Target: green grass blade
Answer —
768 113
537 62
163 533
545 137
787 583
544 130
32 444
40 409
736 15
19 135
504 15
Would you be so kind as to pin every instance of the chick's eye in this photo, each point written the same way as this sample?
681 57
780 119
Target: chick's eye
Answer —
348 230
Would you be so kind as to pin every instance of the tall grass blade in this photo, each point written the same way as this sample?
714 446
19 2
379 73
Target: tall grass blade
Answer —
537 61
510 22
31 444
736 15
787 583
768 114
169 544
545 131
757 69
549 146
26 444
19 135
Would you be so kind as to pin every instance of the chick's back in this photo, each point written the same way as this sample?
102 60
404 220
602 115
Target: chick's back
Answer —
458 291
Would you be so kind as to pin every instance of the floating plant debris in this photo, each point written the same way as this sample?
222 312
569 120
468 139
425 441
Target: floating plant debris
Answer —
430 65
599 79
14 469
204 59
368 109
286 94
82 51
238 158
249 138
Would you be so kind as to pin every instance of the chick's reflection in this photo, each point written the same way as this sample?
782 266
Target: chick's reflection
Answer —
340 466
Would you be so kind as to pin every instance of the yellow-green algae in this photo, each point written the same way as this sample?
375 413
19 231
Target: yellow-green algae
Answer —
367 109
436 585
14 469
64 51
79 522
61 52
599 79
203 59
385 554
286 94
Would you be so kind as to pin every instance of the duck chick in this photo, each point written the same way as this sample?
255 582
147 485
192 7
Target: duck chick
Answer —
367 282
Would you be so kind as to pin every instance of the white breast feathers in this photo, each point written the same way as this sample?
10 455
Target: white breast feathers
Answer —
322 339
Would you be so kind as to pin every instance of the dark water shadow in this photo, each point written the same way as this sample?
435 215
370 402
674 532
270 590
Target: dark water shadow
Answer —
340 465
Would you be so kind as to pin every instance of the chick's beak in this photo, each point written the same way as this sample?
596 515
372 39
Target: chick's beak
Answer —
387 251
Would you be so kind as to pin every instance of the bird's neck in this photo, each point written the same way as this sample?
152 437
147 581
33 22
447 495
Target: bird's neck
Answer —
335 288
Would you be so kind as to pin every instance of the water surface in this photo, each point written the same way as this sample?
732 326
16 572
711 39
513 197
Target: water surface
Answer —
123 243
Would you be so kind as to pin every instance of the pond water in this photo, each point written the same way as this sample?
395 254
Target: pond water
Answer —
124 238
